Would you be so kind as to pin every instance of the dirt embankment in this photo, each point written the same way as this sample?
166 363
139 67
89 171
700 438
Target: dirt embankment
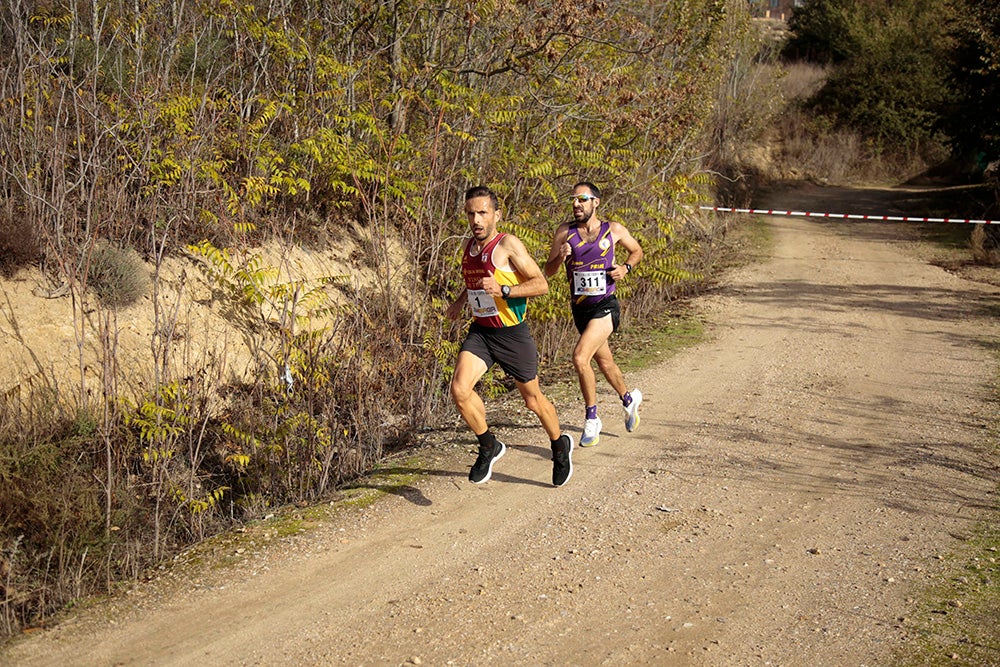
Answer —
794 484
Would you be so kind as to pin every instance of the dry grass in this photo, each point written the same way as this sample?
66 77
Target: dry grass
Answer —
800 80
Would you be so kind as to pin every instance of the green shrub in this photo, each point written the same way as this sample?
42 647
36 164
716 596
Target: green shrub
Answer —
889 79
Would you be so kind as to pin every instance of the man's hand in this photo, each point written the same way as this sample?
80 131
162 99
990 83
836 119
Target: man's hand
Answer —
491 286
618 272
455 309
564 252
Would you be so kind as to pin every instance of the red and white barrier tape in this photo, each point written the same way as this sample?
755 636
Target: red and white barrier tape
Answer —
846 216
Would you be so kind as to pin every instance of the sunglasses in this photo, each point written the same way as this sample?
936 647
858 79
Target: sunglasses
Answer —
582 198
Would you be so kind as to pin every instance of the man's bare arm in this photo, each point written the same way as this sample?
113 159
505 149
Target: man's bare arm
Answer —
534 283
559 251
623 237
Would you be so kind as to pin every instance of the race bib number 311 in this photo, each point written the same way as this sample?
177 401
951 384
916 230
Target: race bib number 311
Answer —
590 283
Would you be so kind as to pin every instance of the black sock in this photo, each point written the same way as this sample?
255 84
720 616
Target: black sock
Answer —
486 439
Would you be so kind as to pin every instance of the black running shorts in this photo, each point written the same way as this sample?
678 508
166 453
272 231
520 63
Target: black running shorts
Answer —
583 314
511 347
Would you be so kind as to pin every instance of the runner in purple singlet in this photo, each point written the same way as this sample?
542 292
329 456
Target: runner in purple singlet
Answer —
586 247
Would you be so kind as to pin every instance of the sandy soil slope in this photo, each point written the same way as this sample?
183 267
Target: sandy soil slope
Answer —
792 486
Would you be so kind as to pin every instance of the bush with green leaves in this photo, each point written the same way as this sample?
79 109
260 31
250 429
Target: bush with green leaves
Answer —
889 77
972 120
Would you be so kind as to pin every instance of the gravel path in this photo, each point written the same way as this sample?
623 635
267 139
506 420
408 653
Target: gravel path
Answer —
790 491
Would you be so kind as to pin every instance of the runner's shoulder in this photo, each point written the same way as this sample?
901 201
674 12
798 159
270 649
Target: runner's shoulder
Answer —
618 230
510 242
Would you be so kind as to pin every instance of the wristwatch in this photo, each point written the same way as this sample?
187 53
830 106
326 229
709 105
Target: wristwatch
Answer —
505 291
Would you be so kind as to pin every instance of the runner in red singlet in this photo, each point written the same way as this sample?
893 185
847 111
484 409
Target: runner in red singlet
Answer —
499 276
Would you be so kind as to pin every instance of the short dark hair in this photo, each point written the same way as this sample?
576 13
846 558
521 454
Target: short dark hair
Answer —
594 190
483 191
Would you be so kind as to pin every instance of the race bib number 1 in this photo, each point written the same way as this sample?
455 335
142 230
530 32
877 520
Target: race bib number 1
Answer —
482 303
590 283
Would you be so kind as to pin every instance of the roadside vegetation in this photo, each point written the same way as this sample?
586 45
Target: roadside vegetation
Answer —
147 152
908 88
197 135
956 619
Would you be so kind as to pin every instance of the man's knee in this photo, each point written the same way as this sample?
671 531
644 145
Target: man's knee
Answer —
532 395
581 360
459 392
533 402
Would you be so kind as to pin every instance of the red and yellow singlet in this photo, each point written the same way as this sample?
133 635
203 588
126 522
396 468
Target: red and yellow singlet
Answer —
490 311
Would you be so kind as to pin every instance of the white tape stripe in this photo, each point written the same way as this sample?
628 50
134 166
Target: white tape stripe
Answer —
848 216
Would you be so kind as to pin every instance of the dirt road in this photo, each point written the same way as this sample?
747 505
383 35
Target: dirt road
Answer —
789 492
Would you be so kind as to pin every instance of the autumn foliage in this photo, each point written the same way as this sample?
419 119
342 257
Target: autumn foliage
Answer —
205 129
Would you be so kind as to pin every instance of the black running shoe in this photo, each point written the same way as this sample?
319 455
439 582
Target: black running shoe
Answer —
483 467
562 460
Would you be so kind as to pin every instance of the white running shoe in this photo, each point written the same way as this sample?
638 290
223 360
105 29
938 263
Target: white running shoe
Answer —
632 411
591 432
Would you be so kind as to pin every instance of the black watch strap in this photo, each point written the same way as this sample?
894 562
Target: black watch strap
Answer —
505 290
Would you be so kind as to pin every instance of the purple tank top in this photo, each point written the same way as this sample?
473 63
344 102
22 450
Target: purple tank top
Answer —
588 265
